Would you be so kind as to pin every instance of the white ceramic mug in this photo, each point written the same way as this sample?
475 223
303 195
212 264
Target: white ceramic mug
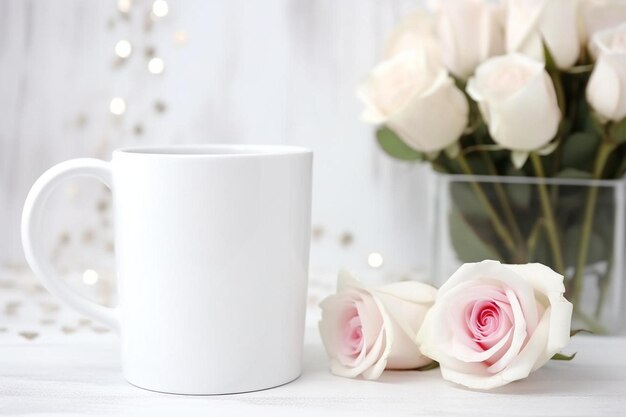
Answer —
212 248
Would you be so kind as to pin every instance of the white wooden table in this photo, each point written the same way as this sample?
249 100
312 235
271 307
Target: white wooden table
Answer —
81 374
55 362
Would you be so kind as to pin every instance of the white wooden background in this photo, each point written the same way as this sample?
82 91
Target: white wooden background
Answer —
276 71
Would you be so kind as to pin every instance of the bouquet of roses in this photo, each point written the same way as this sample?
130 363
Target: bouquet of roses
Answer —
514 88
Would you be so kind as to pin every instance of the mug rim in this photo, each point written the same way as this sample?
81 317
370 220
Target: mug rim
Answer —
212 150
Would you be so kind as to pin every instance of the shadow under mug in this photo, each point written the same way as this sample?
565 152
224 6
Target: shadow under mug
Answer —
212 252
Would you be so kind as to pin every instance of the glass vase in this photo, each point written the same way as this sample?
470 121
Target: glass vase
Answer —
575 226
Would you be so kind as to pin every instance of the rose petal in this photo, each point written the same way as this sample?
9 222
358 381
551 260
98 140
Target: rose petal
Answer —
367 360
474 380
494 271
407 303
466 354
404 306
432 338
518 337
409 291
346 280
371 319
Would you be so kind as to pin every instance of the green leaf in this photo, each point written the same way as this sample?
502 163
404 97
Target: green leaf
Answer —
468 246
464 197
574 173
430 366
617 131
597 248
573 333
550 63
395 147
579 150
520 193
562 357
597 122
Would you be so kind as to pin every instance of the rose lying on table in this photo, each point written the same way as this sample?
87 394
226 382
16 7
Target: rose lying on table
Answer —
488 325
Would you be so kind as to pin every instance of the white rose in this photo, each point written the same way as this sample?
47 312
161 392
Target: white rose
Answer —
606 90
517 100
417 100
599 15
366 331
415 33
470 31
493 324
530 23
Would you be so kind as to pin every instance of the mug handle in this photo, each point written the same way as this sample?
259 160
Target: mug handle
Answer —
33 248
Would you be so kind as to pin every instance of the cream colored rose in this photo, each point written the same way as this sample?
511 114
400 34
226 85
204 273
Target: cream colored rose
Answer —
606 90
366 331
417 99
598 15
517 100
417 33
493 324
557 23
470 31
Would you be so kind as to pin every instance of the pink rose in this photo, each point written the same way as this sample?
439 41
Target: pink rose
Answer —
366 331
493 324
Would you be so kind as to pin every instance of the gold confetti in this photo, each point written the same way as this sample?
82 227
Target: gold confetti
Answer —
88 236
317 232
68 329
64 238
160 107
181 37
10 308
149 52
49 307
103 205
81 121
99 329
29 335
346 239
7 284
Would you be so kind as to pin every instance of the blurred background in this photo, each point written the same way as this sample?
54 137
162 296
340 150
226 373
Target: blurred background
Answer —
79 79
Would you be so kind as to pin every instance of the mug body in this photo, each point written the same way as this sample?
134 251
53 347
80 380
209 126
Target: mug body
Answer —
212 248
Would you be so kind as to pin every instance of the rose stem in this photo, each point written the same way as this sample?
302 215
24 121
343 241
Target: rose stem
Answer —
553 236
480 193
558 88
520 254
606 147
604 285
533 238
